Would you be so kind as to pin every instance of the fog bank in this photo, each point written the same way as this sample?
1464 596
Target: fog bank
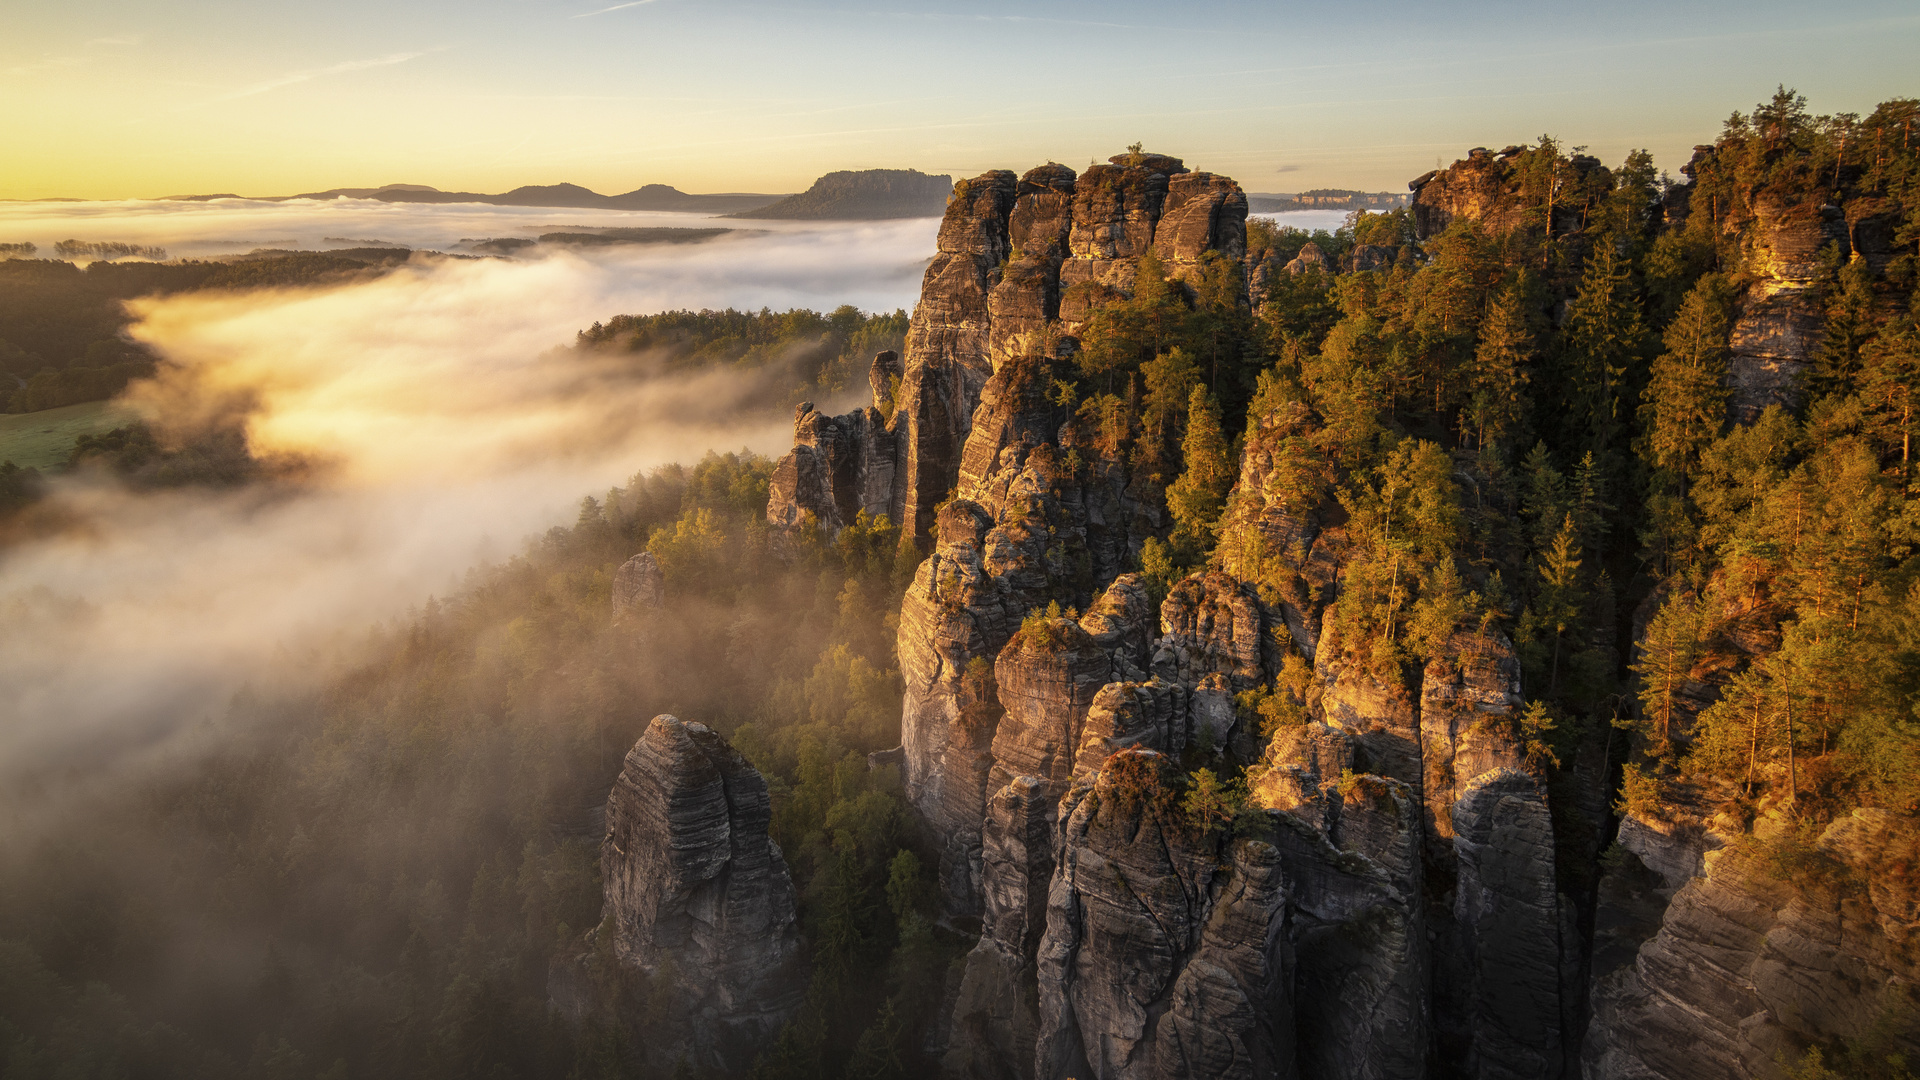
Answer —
448 421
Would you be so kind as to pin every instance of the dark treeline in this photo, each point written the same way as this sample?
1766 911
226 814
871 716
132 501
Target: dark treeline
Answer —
55 315
829 351
50 389
1524 425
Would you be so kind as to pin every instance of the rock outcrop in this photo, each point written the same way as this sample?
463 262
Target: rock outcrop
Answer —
1485 187
638 588
1310 257
699 903
1021 264
839 467
1781 313
1162 958
1027 528
1759 957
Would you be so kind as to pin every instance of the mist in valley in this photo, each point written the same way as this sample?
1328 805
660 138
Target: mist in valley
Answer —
201 710
439 416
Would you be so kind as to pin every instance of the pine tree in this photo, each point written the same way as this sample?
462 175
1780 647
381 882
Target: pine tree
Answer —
1739 734
1198 497
1601 354
1889 383
1850 324
1686 403
1496 396
1557 607
1667 656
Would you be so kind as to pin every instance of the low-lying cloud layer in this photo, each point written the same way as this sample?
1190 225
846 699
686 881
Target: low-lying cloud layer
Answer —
447 423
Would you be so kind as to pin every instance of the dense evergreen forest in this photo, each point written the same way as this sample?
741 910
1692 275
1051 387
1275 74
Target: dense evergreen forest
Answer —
1528 426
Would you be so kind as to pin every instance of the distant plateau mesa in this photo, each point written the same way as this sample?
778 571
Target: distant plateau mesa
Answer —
865 195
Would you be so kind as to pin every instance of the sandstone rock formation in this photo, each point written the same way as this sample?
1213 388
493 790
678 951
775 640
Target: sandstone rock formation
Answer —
1161 958
698 899
1509 921
1485 187
1781 314
1021 263
1400 895
638 588
1309 258
1753 962
839 467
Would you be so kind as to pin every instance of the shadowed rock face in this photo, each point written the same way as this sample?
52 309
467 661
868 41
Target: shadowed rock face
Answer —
1160 958
638 587
697 894
1510 923
1360 936
1747 965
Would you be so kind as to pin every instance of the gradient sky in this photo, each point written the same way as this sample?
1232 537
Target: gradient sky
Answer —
135 98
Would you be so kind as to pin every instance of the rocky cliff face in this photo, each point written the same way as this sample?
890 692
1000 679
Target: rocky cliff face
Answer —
638 588
1404 879
698 900
1486 187
1164 953
1755 959
1781 313
1021 263
1390 901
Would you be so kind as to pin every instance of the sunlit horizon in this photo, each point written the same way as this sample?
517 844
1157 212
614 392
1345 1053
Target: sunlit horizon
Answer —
108 99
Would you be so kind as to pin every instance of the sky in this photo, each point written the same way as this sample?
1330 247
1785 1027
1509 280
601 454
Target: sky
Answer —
141 99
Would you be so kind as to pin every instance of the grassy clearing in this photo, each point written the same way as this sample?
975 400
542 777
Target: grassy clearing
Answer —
42 439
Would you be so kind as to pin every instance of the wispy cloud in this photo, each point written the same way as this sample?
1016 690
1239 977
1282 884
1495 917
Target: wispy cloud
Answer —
48 64
616 7
319 73
51 63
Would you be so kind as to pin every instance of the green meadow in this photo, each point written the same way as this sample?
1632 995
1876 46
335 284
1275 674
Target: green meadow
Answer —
42 439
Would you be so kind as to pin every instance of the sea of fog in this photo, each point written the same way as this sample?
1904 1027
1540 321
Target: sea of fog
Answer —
451 423
225 227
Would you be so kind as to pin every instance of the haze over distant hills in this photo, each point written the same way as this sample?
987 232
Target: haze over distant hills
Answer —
848 195
572 196
866 194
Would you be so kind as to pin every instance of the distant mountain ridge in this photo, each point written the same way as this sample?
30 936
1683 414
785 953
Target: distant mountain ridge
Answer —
865 195
562 196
